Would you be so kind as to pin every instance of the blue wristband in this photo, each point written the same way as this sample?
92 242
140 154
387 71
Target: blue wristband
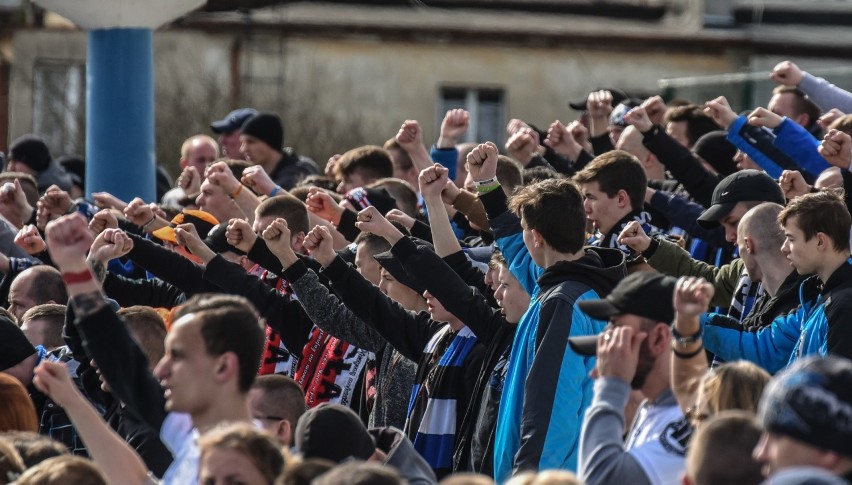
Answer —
275 191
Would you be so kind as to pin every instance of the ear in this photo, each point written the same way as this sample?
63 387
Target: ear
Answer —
749 244
183 163
659 340
538 239
622 199
823 241
227 367
284 432
803 119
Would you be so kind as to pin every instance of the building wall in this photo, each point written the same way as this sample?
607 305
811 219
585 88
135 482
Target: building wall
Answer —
338 93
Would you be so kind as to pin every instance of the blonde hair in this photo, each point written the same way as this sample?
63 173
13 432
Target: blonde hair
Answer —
734 385
260 448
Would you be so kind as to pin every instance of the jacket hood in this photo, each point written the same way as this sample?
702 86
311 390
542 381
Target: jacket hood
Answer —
402 456
600 268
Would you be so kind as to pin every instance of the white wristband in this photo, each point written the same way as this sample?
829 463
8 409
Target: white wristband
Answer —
483 183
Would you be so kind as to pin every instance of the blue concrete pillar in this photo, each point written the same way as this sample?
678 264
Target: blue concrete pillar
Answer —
120 113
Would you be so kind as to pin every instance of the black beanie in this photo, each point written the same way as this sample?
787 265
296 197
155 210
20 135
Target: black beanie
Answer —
267 128
811 402
333 432
716 150
14 346
31 151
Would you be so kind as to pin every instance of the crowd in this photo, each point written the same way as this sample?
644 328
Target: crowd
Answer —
652 293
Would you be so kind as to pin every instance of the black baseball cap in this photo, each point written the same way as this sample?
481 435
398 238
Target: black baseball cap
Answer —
645 293
580 104
333 432
234 120
742 186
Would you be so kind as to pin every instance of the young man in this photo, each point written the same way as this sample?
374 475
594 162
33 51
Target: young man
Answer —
212 354
816 229
542 240
613 187
805 414
634 353
228 131
361 166
262 143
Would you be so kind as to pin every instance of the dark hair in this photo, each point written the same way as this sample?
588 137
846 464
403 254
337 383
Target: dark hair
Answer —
148 328
402 191
537 174
822 211
63 469
802 104
305 471
509 173
373 162
373 243
287 207
617 170
282 397
255 445
555 209
320 181
721 450
34 448
229 324
360 473
53 315
698 123
47 285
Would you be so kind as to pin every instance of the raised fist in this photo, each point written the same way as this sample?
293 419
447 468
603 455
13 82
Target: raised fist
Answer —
523 145
793 184
138 212
190 180
455 124
110 244
256 178
656 109
240 235
68 239
764 117
410 135
321 245
433 180
29 239
103 220
639 118
787 74
692 296
836 148
599 104
634 237
482 162
320 203
720 110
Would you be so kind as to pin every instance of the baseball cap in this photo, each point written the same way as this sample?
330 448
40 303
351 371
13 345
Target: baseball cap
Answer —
742 186
203 222
645 293
811 402
234 120
618 96
394 266
333 432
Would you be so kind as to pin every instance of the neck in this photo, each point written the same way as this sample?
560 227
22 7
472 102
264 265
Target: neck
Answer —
659 379
627 211
270 163
551 256
832 262
456 324
222 409
774 275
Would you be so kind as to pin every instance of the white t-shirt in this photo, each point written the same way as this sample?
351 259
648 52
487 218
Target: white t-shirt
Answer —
658 441
181 438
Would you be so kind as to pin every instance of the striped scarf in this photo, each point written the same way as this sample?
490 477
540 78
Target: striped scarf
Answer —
433 410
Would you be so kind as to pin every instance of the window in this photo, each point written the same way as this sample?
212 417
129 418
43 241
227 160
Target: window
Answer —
486 112
59 105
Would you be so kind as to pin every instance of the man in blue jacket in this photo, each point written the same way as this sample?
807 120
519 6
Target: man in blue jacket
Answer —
547 388
816 230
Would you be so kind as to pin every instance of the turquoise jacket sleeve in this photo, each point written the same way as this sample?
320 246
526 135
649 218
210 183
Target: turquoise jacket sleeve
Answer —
801 146
734 136
447 157
769 347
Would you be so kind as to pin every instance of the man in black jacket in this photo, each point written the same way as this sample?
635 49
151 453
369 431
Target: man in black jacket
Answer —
262 139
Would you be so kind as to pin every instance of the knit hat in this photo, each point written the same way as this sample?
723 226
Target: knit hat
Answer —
716 150
333 432
203 222
267 128
811 402
14 346
31 151
380 198
394 266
